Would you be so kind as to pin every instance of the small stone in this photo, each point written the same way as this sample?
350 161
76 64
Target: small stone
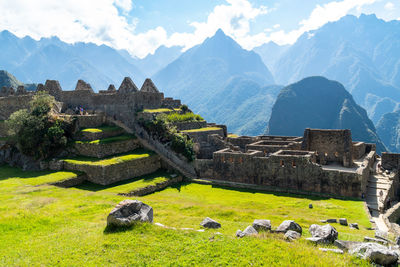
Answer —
187 229
292 235
310 206
339 251
159 224
289 225
247 232
331 221
343 221
323 221
262 225
239 233
354 226
200 230
210 223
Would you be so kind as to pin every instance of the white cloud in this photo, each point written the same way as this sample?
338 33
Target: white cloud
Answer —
233 18
321 15
79 20
389 6
276 26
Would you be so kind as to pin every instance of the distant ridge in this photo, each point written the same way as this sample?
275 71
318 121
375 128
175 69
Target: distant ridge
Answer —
317 102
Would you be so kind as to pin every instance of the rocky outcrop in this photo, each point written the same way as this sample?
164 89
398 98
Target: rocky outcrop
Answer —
289 225
322 234
128 212
210 223
262 225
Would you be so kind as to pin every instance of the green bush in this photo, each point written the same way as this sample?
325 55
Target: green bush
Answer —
39 132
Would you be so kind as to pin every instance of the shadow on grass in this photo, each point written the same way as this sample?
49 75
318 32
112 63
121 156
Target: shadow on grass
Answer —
111 229
89 186
8 172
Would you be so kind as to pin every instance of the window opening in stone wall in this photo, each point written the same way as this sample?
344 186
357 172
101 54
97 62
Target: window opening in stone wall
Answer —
282 163
294 164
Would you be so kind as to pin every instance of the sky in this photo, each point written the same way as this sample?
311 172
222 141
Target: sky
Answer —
141 26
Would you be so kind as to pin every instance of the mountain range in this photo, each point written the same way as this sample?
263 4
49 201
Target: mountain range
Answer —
363 53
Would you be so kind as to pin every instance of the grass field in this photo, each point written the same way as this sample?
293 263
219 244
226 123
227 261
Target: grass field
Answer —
47 225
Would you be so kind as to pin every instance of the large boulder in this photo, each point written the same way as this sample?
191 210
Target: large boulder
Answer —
262 225
376 253
127 212
289 225
322 234
346 245
210 223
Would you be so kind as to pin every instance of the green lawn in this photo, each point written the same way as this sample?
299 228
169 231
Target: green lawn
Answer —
205 129
101 129
109 140
158 110
47 225
136 154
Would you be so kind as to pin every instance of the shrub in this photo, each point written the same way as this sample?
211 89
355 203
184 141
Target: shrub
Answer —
38 132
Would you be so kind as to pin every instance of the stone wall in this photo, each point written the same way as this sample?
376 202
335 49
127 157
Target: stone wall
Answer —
3 129
359 149
390 161
392 217
90 136
10 104
331 145
104 150
285 169
110 174
202 136
189 125
267 146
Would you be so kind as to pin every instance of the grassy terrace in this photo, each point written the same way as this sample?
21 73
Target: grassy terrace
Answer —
205 129
101 129
136 154
160 110
109 140
233 135
128 186
47 225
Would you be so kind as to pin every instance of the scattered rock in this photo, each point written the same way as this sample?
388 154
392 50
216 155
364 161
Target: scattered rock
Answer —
343 221
331 221
247 232
200 230
262 225
322 234
346 245
354 226
339 251
323 221
289 225
210 223
128 211
376 253
376 240
292 235
310 206
159 224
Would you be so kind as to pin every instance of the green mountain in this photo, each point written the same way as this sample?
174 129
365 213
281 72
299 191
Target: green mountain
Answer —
221 81
388 129
9 80
317 102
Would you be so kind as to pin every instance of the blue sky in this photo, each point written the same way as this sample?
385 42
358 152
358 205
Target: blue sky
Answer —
141 26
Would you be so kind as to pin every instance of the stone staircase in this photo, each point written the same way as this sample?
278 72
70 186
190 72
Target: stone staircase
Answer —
379 190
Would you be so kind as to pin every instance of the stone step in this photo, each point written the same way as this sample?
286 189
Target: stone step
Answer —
117 168
105 131
379 181
107 147
378 186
